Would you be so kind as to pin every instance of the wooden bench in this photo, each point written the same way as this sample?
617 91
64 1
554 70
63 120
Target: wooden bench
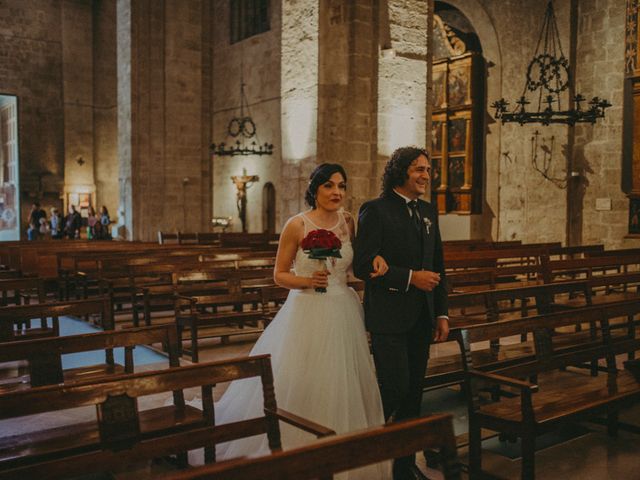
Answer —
198 314
161 297
41 359
560 393
121 433
21 315
18 291
501 304
534 303
124 282
588 267
329 456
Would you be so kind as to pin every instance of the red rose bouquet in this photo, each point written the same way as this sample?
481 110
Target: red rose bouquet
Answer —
320 245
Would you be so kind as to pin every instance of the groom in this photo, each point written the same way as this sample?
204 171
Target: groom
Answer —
406 307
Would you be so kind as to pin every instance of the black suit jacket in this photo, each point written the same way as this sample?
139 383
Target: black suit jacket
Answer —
385 228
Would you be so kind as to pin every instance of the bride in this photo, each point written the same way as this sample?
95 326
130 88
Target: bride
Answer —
319 352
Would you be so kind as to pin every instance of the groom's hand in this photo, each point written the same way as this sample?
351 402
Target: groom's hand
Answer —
425 280
442 330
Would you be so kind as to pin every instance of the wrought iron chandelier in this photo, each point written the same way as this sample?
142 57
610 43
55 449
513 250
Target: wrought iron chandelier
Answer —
548 74
243 128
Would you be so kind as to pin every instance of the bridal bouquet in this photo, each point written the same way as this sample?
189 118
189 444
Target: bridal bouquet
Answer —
320 245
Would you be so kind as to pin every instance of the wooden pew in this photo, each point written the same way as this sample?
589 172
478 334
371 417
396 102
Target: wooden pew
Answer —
254 240
332 455
39 258
588 267
19 291
483 306
622 252
194 282
22 314
198 314
577 251
560 393
121 434
42 358
500 306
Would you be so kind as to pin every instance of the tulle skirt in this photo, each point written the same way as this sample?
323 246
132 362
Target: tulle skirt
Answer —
323 371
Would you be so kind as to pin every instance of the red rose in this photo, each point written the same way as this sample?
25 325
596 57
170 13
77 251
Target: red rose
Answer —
321 238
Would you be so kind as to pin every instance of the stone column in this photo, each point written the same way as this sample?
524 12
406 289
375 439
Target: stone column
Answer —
164 79
347 132
597 151
299 102
77 68
105 105
402 84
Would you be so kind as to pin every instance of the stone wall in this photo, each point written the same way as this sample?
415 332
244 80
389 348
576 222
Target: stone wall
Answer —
31 68
598 152
520 202
402 82
58 57
257 60
143 87
347 92
163 111
105 107
77 91
299 76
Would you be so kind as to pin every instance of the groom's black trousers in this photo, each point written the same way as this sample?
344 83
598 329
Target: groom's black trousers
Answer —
401 362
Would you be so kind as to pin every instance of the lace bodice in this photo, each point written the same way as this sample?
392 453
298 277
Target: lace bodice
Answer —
339 267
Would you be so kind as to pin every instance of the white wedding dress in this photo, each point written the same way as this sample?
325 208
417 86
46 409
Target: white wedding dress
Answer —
322 367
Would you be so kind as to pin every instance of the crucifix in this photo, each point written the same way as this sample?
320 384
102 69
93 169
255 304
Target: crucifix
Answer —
243 182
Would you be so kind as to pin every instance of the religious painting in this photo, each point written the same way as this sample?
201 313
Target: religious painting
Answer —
436 173
457 134
459 83
439 87
453 202
456 172
634 216
436 137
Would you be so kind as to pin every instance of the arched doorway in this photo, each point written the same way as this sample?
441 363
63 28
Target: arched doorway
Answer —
269 208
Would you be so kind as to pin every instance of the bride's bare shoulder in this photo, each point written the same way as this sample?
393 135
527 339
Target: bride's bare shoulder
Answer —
294 224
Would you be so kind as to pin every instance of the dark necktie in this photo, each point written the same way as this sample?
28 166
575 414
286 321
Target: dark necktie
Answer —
415 216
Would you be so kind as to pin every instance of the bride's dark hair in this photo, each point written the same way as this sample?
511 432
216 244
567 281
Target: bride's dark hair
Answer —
321 174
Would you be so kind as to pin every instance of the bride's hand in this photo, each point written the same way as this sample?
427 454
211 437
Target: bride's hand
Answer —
320 279
380 267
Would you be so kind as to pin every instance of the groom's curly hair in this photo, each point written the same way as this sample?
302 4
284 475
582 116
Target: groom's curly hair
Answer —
395 171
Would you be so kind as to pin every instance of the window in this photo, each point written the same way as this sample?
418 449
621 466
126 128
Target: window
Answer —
248 18
9 174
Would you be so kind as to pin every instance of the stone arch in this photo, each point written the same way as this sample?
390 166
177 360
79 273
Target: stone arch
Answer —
485 29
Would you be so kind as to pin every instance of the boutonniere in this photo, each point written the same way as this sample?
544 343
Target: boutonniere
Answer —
427 224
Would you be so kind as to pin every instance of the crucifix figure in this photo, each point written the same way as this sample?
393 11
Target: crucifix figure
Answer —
243 182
